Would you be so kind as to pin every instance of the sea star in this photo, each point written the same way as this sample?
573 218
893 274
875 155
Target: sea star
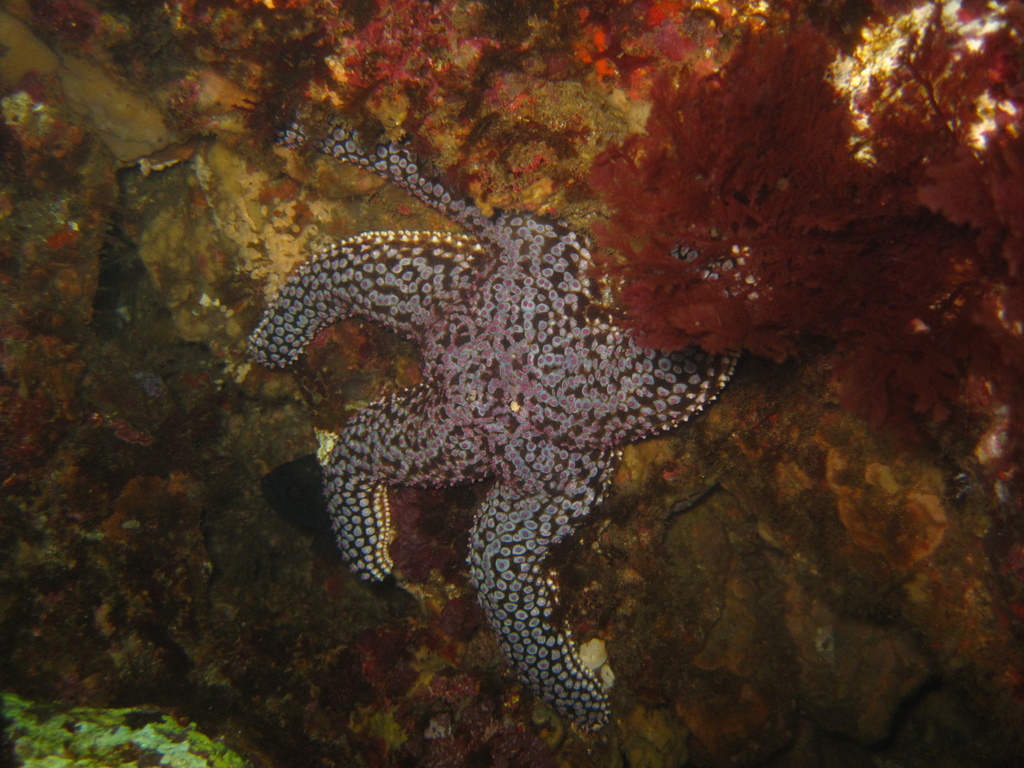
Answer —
524 379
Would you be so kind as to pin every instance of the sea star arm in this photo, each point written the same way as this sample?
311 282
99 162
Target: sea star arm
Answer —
511 537
403 439
398 279
513 235
398 165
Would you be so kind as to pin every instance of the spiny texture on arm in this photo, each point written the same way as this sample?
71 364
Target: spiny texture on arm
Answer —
512 536
398 279
398 165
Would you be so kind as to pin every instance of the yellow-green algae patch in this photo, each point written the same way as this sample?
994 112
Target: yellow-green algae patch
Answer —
53 736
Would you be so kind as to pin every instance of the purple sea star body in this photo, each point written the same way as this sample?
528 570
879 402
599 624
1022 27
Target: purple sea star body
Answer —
524 379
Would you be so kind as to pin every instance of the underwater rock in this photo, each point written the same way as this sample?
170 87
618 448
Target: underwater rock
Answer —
128 124
854 675
22 52
654 739
743 597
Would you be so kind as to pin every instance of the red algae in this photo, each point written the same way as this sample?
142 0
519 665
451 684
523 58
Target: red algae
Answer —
862 237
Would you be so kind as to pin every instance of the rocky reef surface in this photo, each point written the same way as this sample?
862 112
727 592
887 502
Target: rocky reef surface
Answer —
826 568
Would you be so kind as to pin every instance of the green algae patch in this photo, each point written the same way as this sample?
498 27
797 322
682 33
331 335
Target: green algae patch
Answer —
54 736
